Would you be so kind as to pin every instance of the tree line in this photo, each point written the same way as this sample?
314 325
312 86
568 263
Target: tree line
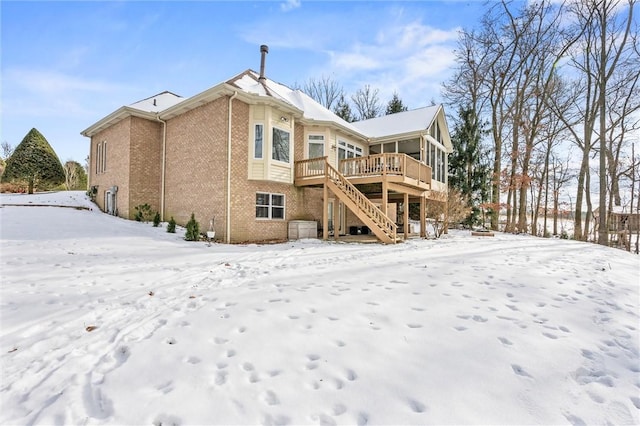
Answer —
535 85
538 81
364 104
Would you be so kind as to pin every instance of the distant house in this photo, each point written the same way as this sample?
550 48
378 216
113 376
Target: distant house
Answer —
259 157
623 224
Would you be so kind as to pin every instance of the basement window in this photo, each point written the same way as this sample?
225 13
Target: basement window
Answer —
269 206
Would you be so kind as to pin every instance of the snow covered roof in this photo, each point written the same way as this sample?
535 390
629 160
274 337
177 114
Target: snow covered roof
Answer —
249 82
157 103
250 86
399 123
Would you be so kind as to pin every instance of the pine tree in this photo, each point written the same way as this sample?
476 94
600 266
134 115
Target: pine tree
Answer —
343 110
35 162
171 226
193 229
395 105
469 170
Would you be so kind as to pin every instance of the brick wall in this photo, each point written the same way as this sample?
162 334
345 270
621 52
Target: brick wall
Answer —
196 151
196 175
117 170
145 165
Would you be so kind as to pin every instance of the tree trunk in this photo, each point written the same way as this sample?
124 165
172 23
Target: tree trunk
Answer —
603 237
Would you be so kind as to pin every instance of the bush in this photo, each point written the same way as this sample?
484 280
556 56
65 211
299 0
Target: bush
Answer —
156 220
193 229
171 226
143 213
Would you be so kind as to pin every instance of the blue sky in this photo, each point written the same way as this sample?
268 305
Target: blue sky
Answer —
65 65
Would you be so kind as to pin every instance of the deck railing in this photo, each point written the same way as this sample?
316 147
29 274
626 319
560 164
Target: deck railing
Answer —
313 167
386 164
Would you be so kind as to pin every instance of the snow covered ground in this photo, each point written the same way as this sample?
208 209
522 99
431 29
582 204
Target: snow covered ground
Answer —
108 321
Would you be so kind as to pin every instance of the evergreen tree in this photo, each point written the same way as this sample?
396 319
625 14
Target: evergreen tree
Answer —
35 162
343 110
395 105
171 226
193 229
469 169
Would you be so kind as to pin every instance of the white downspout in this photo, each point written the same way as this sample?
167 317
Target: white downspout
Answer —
164 157
228 221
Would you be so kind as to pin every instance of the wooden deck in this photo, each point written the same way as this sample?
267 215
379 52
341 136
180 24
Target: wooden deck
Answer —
399 171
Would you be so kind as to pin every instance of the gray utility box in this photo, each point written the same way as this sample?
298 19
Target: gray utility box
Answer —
303 229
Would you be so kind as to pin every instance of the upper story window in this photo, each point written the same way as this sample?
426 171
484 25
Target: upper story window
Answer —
347 150
258 141
435 131
316 146
269 206
280 151
101 157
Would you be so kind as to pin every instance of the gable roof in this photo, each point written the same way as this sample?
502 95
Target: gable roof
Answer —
252 89
413 121
249 82
146 108
157 103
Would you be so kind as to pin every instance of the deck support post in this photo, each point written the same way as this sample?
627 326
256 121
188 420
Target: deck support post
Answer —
423 221
325 212
385 196
405 218
336 223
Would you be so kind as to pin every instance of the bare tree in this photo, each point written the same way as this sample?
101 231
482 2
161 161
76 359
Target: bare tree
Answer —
7 149
324 90
612 30
367 103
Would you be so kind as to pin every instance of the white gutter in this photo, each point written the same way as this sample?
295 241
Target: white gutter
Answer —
164 158
228 231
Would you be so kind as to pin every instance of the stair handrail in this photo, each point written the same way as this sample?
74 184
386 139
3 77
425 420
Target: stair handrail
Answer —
362 202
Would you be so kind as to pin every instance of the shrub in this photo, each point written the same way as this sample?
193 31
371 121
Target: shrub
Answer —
143 213
171 226
156 220
193 229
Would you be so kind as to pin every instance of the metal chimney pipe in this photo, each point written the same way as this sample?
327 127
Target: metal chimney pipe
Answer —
264 49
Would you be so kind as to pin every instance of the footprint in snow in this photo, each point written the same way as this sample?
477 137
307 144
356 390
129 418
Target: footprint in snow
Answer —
519 370
505 341
416 406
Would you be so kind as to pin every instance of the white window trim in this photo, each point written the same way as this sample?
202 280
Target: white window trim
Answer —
101 157
316 142
343 144
270 206
254 141
282 129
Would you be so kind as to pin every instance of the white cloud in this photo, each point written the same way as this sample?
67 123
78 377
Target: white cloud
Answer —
354 61
408 57
51 82
289 5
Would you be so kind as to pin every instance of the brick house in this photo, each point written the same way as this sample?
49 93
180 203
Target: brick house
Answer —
255 155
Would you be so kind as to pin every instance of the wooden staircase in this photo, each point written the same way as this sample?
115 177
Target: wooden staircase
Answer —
379 223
